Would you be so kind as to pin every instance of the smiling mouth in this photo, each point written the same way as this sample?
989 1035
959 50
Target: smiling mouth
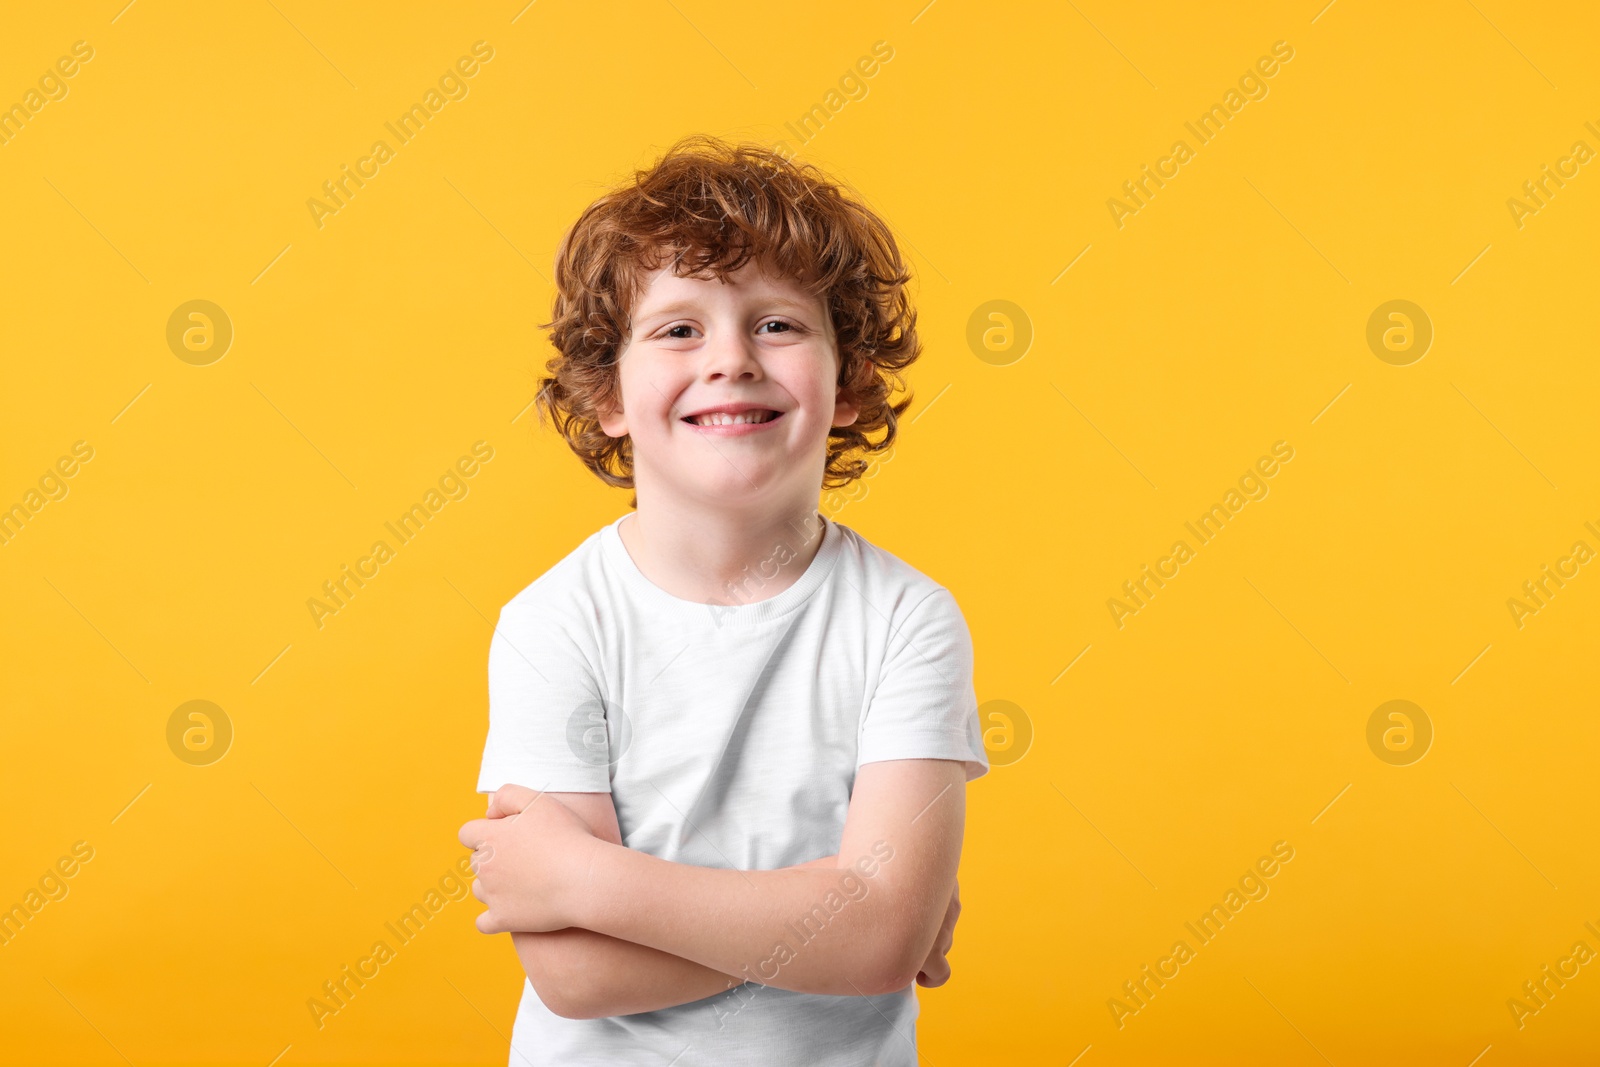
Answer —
722 418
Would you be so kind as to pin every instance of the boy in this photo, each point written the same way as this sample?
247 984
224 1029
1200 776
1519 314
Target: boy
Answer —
776 717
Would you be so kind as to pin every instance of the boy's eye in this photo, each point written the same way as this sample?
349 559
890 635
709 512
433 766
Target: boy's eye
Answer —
671 331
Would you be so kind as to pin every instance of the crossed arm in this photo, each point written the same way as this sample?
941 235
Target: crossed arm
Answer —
603 930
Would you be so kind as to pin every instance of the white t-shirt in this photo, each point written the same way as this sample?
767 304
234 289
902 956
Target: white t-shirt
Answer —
728 737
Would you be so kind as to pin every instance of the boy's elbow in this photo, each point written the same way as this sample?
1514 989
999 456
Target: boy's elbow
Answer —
573 1008
885 980
568 997
895 965
557 979
561 999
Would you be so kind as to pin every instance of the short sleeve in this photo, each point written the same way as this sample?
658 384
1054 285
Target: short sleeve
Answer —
548 726
924 705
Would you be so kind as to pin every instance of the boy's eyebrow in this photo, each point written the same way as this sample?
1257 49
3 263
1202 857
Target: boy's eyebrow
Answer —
679 306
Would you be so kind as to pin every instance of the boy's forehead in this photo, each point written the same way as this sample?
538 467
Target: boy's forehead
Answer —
661 286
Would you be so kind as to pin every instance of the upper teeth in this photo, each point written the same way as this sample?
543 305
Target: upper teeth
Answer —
722 418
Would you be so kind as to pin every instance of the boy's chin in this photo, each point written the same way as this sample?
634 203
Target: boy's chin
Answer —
734 495
747 492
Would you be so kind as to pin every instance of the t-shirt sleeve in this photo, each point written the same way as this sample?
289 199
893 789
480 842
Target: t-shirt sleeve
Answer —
548 726
924 706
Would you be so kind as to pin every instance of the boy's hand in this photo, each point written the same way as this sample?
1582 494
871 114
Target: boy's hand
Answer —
530 863
510 800
936 969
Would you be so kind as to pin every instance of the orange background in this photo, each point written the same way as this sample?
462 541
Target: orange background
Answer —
1167 354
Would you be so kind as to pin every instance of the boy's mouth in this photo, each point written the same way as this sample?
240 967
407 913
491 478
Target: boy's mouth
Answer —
753 417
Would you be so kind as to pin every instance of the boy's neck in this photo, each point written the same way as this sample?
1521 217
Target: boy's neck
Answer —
722 558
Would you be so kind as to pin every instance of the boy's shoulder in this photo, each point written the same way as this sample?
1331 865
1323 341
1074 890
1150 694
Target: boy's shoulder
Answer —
565 591
887 575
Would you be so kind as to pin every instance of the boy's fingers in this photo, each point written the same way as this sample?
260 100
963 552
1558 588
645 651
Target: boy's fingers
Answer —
935 974
510 800
474 833
497 804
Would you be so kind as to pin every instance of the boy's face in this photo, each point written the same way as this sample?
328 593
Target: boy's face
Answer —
758 341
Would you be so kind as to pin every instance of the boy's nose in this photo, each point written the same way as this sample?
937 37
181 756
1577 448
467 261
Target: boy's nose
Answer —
730 355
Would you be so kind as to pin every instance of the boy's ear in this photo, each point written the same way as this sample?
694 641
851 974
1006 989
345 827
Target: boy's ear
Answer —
846 408
611 417
847 402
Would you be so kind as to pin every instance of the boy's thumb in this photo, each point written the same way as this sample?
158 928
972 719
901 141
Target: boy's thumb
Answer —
509 800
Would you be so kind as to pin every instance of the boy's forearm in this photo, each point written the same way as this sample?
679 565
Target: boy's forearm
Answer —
796 928
580 974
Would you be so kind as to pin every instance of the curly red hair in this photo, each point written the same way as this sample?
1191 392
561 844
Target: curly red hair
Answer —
705 208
